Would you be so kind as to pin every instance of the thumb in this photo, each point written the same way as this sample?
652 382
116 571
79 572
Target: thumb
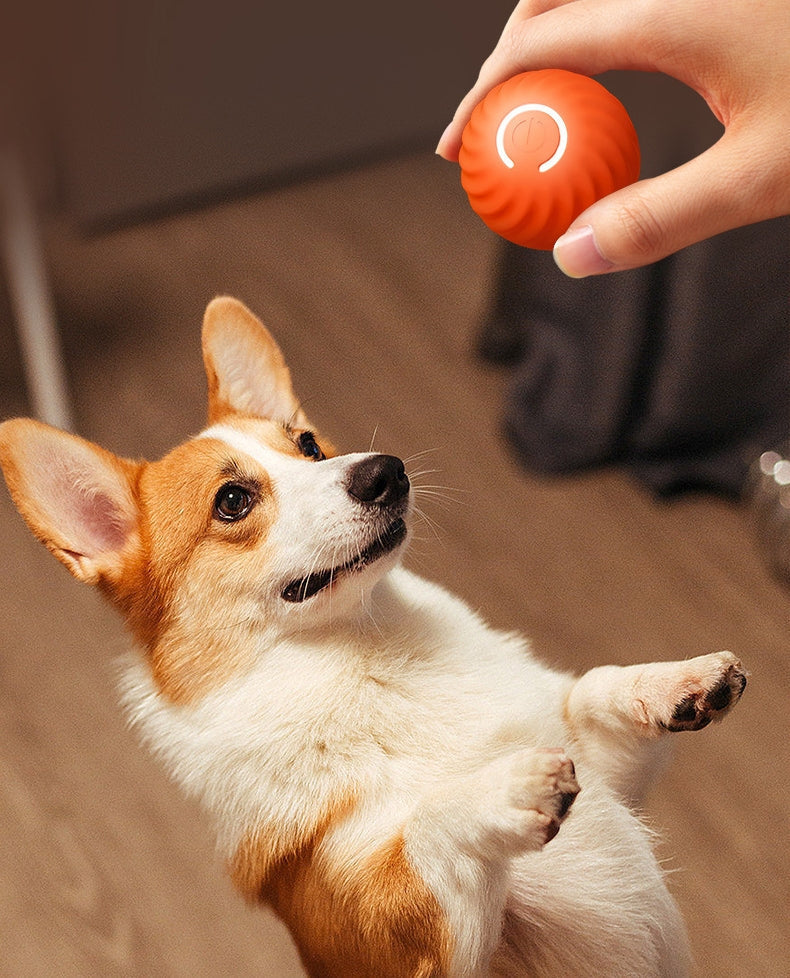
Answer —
714 192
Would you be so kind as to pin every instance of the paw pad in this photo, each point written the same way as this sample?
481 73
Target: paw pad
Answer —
698 709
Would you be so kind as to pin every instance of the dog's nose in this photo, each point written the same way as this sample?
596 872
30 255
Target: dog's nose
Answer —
379 479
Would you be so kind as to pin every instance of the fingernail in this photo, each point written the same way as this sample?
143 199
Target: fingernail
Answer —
441 149
577 254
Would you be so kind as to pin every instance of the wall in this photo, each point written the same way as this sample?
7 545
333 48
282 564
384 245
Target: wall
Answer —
160 101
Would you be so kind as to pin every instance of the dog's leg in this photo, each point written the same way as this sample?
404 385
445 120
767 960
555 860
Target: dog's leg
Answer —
461 841
619 713
428 899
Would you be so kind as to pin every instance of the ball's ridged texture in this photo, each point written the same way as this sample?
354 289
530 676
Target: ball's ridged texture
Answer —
540 148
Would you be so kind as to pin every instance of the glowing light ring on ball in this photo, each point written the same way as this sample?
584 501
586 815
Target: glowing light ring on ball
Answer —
520 110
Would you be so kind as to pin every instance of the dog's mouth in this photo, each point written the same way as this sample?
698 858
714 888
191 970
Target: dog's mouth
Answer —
307 587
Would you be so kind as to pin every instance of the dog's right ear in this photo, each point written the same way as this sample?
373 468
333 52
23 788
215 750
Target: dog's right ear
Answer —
245 368
77 498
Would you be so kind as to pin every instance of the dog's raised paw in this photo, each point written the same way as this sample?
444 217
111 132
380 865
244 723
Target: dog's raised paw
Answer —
542 788
708 696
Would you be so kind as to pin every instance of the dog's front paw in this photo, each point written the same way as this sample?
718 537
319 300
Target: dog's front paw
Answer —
708 688
532 792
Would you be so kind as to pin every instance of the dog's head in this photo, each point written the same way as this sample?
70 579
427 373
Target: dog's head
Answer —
254 528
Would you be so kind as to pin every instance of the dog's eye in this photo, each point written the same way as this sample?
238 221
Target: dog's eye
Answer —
309 447
232 503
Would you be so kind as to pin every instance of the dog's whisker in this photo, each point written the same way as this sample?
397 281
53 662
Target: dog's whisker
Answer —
436 499
453 490
429 522
419 455
439 491
421 473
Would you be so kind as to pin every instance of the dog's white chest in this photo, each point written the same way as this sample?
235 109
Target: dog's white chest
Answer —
423 691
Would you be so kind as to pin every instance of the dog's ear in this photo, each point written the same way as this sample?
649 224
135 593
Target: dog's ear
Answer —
245 368
77 498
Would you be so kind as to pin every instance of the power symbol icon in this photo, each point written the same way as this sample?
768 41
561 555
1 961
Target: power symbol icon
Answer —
534 132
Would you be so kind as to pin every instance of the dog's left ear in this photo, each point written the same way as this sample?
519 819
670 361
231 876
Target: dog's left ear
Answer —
77 498
245 368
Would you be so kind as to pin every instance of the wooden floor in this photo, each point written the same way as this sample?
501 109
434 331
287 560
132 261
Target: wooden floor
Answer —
374 283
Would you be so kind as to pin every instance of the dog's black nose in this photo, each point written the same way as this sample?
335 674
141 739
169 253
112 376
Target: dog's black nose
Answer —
379 479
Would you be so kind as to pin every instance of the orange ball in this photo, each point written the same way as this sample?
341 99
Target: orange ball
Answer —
540 148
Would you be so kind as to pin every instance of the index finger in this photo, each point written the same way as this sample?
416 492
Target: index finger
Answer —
589 36
496 68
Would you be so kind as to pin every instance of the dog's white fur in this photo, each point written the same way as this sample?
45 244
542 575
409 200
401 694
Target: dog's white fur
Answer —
382 767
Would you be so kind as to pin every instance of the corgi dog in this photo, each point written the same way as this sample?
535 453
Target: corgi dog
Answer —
397 780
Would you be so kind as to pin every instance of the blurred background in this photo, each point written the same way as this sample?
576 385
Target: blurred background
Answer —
152 105
583 449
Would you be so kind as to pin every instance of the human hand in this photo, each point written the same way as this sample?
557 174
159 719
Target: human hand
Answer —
736 55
